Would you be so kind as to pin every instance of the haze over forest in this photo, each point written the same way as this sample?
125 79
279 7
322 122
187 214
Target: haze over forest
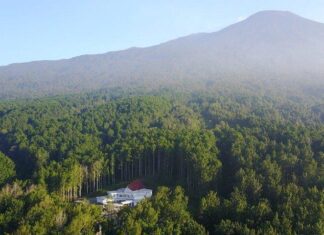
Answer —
270 47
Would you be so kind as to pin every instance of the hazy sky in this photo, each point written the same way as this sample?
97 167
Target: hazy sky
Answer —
54 29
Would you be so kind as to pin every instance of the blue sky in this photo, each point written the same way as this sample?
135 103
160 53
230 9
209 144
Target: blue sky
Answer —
55 29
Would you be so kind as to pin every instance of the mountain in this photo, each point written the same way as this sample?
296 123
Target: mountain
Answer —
269 46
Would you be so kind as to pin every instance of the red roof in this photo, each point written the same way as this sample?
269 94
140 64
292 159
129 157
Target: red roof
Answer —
135 185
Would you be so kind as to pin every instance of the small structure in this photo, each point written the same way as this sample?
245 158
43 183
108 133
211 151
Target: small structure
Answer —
127 203
130 195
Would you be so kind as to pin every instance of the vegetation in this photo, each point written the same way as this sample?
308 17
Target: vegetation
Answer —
7 169
166 213
233 163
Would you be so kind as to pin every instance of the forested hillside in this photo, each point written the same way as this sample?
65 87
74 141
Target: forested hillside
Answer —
230 164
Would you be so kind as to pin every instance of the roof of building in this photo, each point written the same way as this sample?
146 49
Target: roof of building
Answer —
136 185
122 190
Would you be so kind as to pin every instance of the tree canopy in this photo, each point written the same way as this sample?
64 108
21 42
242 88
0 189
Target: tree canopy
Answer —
233 163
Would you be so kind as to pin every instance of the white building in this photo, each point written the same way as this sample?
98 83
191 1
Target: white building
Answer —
130 195
102 200
126 194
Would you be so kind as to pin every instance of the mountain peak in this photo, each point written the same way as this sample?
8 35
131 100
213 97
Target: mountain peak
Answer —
278 16
272 14
269 44
280 23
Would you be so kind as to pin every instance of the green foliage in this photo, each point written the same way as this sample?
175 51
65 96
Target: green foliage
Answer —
247 164
166 213
29 209
7 169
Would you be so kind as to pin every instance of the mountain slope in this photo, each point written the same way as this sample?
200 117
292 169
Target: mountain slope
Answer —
270 45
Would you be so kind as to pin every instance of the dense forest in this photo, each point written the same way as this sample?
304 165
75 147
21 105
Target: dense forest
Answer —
219 162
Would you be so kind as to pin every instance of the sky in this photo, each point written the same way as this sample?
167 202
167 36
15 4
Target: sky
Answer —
55 29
